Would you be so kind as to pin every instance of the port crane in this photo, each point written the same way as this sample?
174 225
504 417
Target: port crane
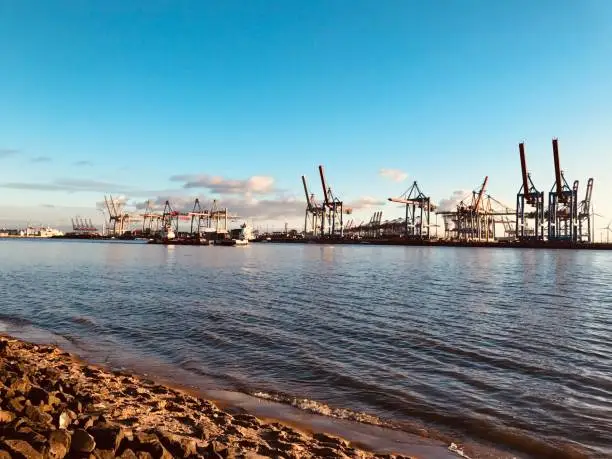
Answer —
332 210
528 195
418 212
585 214
562 204
314 212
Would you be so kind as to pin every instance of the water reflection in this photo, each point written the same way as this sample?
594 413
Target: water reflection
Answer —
435 335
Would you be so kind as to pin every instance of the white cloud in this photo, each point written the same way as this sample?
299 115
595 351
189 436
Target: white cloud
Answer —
449 204
256 184
393 174
365 202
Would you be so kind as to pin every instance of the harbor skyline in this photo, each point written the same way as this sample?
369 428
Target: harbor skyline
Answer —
237 101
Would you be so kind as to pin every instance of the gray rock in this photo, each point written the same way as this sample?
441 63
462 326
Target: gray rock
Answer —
82 442
59 444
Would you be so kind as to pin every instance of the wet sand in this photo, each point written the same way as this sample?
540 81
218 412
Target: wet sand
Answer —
54 405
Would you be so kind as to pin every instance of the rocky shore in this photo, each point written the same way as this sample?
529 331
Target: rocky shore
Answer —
54 406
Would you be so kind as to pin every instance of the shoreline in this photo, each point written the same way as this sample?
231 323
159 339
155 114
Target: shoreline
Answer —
44 388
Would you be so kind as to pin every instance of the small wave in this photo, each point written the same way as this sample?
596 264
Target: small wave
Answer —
315 407
83 320
14 320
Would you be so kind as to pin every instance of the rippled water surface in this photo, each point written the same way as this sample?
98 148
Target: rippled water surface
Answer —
507 346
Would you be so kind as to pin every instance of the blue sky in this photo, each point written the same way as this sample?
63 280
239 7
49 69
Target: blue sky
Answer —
119 97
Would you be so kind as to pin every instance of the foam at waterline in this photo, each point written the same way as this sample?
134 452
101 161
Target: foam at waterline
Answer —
321 408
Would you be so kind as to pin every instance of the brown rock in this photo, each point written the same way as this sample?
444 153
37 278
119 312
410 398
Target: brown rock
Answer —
59 444
107 436
128 454
16 405
66 418
82 442
6 417
37 395
4 454
36 415
103 453
148 443
328 440
178 446
85 422
21 449
20 385
215 450
144 455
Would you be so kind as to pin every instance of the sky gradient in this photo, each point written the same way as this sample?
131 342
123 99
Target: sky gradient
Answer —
237 99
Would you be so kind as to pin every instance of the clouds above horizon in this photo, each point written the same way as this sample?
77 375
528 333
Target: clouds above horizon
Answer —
366 202
68 185
256 184
261 209
41 159
6 152
395 175
450 203
83 163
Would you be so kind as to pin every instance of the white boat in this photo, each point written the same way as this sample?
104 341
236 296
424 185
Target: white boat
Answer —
168 234
244 236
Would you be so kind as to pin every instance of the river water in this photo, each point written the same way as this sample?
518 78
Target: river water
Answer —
503 347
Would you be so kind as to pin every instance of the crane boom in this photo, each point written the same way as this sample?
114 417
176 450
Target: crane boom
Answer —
324 184
587 197
306 192
524 171
555 145
481 193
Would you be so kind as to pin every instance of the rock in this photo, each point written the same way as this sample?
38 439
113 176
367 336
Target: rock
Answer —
3 347
6 417
128 454
36 415
148 443
103 453
82 442
85 422
21 449
144 455
59 444
328 440
38 396
215 450
4 454
16 405
66 418
20 385
107 436
178 446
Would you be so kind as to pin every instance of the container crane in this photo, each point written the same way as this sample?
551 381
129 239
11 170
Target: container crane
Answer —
528 195
562 204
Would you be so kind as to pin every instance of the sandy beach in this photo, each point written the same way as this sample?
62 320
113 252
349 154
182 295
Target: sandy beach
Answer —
53 405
